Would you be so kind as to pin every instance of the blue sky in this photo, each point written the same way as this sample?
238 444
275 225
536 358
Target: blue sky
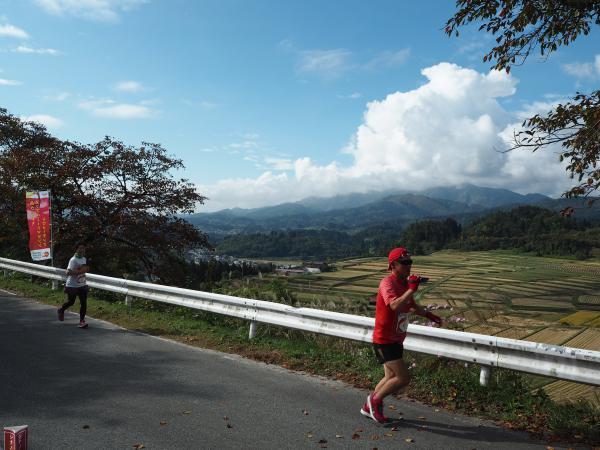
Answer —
269 101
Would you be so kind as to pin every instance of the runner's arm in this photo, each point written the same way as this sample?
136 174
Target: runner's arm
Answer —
81 269
420 311
406 298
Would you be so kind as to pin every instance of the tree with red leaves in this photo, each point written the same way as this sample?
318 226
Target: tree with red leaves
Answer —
122 201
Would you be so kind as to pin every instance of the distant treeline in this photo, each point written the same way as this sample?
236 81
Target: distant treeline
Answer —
531 229
526 229
204 275
298 243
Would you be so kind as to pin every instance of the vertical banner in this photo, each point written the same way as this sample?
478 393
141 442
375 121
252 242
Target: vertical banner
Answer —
38 217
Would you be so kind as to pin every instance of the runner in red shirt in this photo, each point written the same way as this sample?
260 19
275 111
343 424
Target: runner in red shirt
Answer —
394 303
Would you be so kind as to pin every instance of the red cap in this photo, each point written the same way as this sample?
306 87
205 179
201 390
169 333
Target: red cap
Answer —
396 254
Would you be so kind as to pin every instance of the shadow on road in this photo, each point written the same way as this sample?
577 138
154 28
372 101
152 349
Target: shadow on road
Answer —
51 368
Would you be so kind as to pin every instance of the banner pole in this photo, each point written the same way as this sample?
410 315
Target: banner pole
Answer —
51 230
54 282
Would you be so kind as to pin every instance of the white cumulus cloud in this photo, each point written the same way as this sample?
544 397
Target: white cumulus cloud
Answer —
44 119
584 70
57 97
129 86
388 59
450 130
8 30
113 110
39 51
333 63
96 10
279 163
325 63
5 82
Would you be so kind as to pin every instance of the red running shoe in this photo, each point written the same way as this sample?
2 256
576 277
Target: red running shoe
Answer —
61 315
83 324
365 410
376 409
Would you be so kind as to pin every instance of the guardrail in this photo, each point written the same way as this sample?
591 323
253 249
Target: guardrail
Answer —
564 363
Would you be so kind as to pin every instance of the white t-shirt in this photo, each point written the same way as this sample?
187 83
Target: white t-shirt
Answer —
77 280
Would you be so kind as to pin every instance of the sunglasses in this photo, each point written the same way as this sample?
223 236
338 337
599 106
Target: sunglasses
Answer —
405 262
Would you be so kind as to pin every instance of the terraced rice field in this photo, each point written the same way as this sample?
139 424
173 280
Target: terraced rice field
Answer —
554 335
588 339
567 392
497 293
516 333
580 317
589 300
541 303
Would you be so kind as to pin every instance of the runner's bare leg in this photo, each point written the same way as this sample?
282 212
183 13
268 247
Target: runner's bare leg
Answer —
400 377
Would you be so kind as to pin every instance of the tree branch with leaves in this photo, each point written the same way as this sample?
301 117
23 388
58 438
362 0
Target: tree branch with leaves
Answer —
123 201
520 28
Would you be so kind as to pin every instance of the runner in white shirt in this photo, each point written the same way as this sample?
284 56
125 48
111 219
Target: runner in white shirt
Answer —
76 285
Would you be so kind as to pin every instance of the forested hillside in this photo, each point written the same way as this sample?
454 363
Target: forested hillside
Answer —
525 228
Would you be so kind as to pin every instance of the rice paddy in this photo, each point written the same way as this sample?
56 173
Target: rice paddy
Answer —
580 317
497 293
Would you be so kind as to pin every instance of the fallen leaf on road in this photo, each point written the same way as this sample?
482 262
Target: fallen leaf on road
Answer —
394 428
322 441
436 410
549 448
358 430
138 446
163 422
229 425
389 434
86 427
339 436
309 434
375 437
356 436
409 440
305 412
186 412
392 407
422 417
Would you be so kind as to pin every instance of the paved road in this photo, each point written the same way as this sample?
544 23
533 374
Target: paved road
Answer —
105 388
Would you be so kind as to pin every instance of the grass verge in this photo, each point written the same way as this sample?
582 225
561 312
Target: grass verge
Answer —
509 398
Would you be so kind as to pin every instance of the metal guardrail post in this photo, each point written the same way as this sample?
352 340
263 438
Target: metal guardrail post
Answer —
128 300
54 285
5 273
252 333
484 375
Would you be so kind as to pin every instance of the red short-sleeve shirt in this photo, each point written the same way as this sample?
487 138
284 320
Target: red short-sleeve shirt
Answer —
390 326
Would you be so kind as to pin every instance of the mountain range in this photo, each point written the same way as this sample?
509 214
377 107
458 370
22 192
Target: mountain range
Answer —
353 212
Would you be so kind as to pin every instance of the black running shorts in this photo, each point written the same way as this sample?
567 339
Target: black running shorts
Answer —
388 352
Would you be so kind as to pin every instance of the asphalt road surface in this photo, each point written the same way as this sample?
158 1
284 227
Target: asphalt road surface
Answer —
106 387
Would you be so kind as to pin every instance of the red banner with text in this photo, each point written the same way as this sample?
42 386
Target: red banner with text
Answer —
38 218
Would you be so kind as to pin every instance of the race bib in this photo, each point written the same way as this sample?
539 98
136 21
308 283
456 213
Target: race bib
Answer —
402 323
